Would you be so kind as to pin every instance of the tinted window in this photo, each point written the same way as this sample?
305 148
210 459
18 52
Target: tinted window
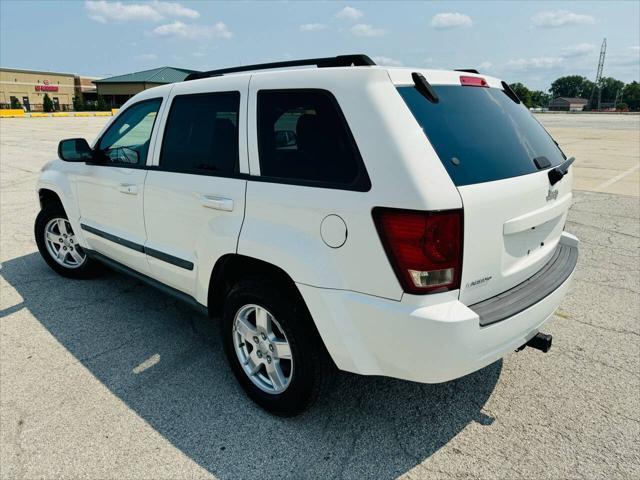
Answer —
127 139
303 138
201 135
487 134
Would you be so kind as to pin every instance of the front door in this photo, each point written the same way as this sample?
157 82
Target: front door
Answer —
194 198
110 190
26 104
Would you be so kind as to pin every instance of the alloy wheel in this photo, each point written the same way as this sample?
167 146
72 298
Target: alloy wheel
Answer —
62 244
262 349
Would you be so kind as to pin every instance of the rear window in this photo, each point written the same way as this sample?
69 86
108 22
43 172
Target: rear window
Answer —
480 134
201 136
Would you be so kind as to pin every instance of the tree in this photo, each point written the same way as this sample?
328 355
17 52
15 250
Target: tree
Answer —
101 104
572 86
15 103
610 87
540 99
47 104
631 96
78 104
524 94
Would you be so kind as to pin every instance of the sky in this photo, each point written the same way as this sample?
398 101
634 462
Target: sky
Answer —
528 42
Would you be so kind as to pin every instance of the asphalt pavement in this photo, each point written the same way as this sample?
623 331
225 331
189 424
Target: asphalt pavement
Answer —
110 378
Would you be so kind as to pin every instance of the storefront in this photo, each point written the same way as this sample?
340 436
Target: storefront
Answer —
87 91
27 88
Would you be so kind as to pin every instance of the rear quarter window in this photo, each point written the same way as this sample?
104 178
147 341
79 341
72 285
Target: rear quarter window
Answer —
480 134
304 139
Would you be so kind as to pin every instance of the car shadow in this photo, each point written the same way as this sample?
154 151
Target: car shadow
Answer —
166 363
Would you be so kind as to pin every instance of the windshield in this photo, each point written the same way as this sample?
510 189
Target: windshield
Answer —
480 134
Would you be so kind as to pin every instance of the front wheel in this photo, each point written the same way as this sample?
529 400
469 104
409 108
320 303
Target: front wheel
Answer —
59 245
272 347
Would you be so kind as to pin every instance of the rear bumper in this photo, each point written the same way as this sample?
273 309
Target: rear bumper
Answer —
430 344
531 291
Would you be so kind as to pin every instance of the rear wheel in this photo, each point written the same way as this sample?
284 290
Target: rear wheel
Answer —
272 348
59 245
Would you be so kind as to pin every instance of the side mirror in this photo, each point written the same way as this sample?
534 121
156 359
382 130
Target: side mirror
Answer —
75 150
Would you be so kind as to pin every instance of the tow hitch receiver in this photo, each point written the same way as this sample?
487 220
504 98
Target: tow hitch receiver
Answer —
542 342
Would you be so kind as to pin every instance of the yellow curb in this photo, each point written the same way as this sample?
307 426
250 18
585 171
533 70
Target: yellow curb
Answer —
82 114
103 114
60 115
11 112
39 115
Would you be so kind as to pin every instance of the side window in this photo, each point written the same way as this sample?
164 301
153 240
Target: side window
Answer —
126 142
201 135
304 138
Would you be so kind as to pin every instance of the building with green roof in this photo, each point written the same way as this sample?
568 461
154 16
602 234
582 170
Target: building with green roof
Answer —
117 90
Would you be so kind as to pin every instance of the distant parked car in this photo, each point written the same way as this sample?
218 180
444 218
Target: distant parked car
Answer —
399 222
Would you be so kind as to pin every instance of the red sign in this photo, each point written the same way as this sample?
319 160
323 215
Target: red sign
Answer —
46 88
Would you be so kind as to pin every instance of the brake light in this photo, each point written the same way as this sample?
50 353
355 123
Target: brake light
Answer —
424 248
468 81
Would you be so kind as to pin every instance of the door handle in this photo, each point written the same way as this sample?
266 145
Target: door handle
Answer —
128 188
217 203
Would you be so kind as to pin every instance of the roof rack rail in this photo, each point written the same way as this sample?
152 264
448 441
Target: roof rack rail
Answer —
339 61
467 70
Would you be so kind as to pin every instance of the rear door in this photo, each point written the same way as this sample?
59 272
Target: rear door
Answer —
498 156
193 196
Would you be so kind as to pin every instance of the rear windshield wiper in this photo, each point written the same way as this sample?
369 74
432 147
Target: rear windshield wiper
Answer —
424 87
508 91
556 174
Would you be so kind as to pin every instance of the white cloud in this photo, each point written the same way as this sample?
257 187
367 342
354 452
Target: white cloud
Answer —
580 50
349 13
172 9
364 30
484 66
145 57
103 11
560 18
537 63
450 20
180 29
313 27
389 62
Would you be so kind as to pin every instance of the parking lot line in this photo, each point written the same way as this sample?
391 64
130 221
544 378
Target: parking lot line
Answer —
613 180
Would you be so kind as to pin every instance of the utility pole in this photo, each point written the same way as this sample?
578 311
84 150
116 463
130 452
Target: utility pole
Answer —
598 82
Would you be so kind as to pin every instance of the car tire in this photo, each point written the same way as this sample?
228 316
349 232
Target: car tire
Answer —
309 371
72 261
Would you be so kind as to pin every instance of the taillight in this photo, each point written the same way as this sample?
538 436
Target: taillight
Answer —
468 81
424 248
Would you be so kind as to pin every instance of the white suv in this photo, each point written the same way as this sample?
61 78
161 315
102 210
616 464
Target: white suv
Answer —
398 222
